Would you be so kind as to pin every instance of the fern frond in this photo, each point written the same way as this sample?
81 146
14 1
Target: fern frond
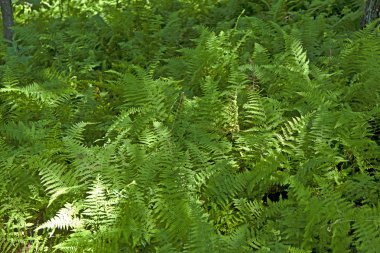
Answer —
254 114
66 218
300 58
99 210
366 228
57 179
34 92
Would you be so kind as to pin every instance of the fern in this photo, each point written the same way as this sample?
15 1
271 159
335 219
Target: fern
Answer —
56 179
190 126
65 219
97 207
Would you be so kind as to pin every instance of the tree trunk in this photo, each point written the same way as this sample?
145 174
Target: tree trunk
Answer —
372 12
7 14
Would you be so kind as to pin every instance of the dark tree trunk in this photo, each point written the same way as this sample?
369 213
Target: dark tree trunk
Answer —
7 14
372 12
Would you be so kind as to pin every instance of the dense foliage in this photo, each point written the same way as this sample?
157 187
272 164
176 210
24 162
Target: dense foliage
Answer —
190 126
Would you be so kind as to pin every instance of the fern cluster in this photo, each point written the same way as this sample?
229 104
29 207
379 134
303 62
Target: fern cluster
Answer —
190 126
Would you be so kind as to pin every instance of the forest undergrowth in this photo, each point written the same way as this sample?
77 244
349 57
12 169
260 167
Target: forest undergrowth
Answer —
190 126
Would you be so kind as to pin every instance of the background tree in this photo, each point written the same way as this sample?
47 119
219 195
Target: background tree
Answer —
372 11
7 15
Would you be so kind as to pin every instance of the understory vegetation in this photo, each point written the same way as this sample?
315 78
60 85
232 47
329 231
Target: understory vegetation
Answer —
175 126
